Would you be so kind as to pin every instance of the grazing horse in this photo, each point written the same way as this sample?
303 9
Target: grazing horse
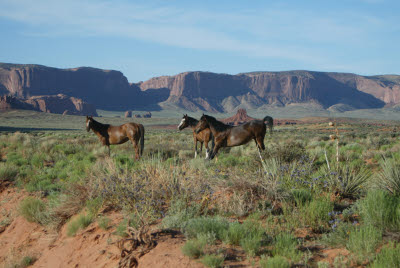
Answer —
110 135
203 136
230 136
270 123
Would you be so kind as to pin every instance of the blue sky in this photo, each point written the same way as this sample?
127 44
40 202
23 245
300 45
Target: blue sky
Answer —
144 39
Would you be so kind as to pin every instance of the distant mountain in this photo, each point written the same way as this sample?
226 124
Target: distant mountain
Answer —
225 93
106 89
110 90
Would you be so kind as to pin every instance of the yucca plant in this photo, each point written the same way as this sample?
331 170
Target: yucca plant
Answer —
348 180
389 178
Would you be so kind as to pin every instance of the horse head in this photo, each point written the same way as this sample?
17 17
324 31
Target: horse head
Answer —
203 124
184 122
89 122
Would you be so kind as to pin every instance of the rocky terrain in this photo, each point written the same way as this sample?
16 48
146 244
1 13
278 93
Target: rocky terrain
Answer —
58 104
194 91
224 93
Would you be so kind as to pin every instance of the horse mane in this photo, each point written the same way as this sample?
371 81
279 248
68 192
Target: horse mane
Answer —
192 122
218 125
99 126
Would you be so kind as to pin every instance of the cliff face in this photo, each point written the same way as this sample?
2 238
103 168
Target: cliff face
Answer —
106 89
59 104
201 90
222 92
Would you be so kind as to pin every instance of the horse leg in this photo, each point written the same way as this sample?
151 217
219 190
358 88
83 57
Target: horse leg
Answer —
260 146
217 146
206 146
109 151
137 151
195 147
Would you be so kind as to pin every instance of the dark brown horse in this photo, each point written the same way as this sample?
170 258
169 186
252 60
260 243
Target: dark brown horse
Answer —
230 136
110 135
203 136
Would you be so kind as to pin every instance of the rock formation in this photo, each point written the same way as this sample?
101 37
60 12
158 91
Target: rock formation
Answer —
205 91
128 114
239 118
59 104
224 93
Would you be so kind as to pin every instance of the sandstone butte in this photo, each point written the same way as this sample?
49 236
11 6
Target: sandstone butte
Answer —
212 92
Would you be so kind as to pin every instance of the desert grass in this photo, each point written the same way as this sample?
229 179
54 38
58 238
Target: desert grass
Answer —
237 201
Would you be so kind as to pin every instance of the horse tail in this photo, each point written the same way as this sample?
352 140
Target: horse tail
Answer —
270 122
141 139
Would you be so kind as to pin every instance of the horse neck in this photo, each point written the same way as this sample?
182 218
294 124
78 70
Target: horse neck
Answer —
98 127
217 127
192 122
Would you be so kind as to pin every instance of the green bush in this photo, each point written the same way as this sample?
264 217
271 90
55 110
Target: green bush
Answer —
285 244
212 260
389 178
8 172
381 210
179 213
205 225
339 236
388 257
104 223
193 248
274 262
316 213
34 210
81 222
234 233
364 240
301 196
348 180
251 244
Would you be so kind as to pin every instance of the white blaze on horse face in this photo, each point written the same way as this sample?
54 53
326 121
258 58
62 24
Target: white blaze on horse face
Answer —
182 122
87 124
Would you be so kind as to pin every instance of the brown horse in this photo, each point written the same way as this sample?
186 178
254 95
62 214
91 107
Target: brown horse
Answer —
110 135
203 136
230 136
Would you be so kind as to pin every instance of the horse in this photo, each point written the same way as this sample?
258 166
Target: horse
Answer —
230 136
270 123
203 136
111 135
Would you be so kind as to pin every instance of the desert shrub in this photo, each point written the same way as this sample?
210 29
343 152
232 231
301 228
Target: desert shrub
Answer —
104 223
301 196
81 222
179 213
364 240
212 260
274 262
34 210
285 244
339 236
8 172
389 256
317 213
205 225
251 244
193 248
287 152
380 209
234 233
346 179
27 261
389 178
93 206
